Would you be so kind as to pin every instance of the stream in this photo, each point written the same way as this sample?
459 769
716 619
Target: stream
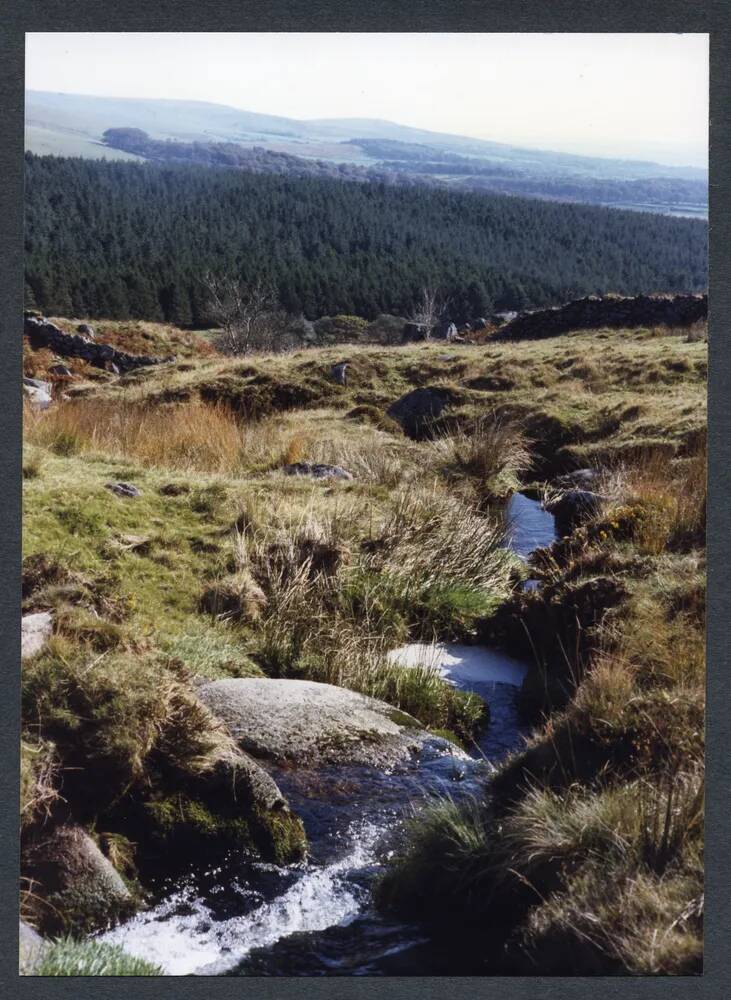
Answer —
316 918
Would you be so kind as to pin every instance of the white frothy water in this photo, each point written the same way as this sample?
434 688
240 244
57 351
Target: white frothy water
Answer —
467 667
183 937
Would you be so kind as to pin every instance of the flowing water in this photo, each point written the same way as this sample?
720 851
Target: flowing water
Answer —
242 917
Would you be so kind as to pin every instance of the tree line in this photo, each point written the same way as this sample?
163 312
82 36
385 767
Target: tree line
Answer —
119 240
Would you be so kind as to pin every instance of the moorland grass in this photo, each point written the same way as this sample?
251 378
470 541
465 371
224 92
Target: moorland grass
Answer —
606 794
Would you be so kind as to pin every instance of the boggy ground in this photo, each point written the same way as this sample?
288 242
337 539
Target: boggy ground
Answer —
224 566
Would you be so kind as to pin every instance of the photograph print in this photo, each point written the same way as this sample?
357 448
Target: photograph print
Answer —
364 504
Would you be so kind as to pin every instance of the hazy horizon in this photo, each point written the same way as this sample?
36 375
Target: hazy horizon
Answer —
610 95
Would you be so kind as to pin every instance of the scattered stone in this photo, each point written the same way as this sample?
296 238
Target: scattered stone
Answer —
82 888
308 724
134 543
111 367
36 383
124 489
35 631
317 471
338 372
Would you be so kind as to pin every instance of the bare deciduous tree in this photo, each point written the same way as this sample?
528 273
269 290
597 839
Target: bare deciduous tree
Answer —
430 309
250 317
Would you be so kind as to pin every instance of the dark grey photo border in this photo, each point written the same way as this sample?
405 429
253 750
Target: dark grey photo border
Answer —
356 15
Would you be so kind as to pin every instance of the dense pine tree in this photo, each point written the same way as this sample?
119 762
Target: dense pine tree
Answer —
121 239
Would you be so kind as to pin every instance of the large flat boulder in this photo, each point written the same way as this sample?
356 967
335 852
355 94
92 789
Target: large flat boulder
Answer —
308 724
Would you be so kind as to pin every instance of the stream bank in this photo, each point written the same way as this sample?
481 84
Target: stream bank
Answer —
243 917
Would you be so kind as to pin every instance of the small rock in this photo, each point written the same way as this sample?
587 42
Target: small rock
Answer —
124 489
338 373
88 331
59 370
317 471
133 543
579 477
36 383
39 399
30 949
35 631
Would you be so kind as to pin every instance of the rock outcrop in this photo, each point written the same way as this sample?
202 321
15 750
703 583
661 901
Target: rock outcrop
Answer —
594 312
308 724
418 409
42 333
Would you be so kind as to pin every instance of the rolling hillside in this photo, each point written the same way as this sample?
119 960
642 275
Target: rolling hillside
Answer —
73 125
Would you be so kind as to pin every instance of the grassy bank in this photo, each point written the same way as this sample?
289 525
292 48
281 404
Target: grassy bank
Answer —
588 848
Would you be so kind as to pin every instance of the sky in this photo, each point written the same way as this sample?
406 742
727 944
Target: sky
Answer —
640 96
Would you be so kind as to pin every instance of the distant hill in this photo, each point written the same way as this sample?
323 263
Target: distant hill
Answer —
73 125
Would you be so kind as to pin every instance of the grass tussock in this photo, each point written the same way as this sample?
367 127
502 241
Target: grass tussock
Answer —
332 616
118 717
193 436
492 453
39 768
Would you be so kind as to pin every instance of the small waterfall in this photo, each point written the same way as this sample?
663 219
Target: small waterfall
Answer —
183 935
